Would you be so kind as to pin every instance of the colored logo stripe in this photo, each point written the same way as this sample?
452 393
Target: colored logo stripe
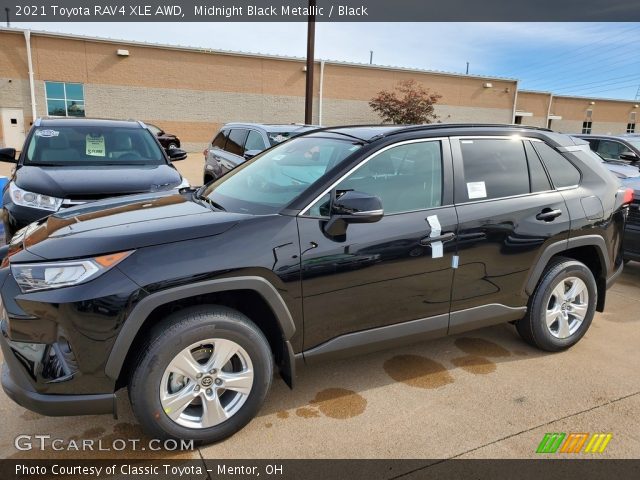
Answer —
550 442
574 442
598 442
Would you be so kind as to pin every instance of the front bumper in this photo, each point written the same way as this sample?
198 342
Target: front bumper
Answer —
55 344
52 405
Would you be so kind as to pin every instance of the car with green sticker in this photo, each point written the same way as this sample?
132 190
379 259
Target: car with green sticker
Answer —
71 161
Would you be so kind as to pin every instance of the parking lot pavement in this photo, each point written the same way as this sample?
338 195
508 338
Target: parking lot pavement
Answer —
484 394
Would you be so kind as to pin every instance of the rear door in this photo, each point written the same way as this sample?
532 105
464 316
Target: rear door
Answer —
231 157
507 212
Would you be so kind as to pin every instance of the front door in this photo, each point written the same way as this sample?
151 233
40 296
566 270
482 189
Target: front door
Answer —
13 127
389 272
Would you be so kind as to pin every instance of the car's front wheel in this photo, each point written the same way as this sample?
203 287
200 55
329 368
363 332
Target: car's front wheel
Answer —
203 375
562 306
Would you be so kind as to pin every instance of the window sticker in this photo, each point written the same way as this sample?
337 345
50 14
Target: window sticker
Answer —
47 133
476 190
95 145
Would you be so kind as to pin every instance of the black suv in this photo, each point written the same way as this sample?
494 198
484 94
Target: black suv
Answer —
237 142
69 161
376 236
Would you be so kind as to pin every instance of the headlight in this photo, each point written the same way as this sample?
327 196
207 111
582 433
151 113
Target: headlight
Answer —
185 183
33 200
41 276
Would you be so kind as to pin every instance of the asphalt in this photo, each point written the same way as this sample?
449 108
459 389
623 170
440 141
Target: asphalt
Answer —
484 394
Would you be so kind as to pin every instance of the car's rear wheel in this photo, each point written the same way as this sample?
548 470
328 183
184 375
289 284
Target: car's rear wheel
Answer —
562 306
172 145
203 375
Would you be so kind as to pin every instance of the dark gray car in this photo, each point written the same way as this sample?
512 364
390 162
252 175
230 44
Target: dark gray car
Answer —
238 142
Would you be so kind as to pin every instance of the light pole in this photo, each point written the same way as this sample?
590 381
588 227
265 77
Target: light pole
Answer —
311 39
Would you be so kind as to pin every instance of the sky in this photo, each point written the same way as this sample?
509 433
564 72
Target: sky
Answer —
585 59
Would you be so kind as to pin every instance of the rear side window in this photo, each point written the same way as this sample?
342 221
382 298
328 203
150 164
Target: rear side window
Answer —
235 142
561 170
537 175
494 168
220 139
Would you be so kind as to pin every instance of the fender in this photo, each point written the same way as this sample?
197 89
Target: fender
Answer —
143 309
562 246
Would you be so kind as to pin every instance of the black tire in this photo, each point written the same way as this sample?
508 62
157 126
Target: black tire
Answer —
533 327
172 145
170 337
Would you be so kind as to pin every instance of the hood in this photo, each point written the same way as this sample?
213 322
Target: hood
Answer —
124 223
622 170
90 182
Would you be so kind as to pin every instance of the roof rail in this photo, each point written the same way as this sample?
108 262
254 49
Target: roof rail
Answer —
437 126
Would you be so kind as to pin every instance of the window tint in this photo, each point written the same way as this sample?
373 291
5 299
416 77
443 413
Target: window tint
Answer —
561 170
537 175
235 142
494 168
406 178
220 139
254 141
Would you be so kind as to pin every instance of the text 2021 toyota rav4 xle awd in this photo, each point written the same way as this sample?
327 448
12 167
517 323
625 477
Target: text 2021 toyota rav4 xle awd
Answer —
338 241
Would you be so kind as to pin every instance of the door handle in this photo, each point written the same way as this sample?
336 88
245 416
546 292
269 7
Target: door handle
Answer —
548 215
444 238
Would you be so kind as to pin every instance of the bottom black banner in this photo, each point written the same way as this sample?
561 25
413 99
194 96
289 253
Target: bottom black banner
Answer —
320 469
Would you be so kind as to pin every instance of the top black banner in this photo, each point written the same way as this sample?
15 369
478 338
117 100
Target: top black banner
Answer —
323 10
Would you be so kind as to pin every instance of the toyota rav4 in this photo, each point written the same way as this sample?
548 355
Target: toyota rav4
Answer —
338 241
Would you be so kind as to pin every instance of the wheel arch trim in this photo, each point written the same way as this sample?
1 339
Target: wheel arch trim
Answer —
143 309
558 247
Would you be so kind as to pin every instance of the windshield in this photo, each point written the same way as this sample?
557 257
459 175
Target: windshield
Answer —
272 180
92 145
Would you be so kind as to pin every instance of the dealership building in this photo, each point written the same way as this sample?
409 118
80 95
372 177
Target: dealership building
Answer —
191 92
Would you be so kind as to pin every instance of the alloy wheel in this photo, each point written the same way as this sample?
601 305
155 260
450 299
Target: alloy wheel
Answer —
206 383
567 307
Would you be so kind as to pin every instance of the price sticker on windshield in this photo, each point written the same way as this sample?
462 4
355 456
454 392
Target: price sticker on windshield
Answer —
95 145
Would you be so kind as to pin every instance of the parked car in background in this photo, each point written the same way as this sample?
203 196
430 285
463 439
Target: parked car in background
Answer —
237 142
336 242
67 161
624 149
167 140
621 155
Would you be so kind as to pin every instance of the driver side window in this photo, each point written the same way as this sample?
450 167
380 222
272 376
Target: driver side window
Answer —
406 178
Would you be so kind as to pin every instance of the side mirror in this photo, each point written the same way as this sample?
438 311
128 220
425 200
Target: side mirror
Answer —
249 154
176 154
629 156
8 155
352 207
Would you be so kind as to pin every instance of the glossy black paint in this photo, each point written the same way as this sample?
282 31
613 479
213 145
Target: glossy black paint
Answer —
378 275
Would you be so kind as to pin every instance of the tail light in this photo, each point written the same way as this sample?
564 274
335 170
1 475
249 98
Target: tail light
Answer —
205 152
628 196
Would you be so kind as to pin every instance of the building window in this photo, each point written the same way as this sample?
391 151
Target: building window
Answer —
64 99
631 128
586 127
